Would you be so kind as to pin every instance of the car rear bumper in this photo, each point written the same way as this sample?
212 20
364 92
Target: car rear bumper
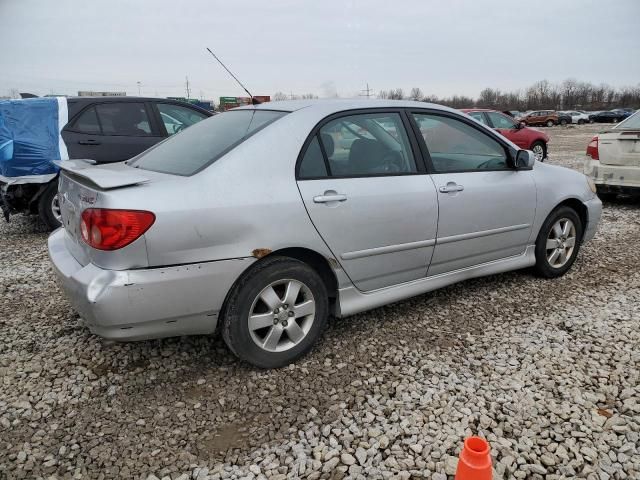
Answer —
145 303
614 178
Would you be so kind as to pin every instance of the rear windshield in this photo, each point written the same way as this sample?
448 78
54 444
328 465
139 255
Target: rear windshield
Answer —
203 143
631 123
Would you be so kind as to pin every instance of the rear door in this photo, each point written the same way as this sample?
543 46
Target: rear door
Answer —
111 132
369 197
486 208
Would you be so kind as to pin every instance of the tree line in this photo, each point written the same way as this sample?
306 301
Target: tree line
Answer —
568 95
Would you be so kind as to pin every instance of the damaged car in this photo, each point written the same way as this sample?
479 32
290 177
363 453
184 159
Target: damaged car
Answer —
263 221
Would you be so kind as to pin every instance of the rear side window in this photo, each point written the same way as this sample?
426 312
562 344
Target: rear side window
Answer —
202 144
87 122
128 119
312 165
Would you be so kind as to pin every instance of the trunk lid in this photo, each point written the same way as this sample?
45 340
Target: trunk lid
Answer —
619 147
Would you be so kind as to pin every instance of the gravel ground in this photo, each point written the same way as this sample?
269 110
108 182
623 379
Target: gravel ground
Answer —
546 370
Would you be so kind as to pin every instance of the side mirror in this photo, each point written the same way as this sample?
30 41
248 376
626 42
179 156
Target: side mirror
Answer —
521 125
524 160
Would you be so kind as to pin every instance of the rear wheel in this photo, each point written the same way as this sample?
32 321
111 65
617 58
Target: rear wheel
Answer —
550 123
275 312
614 120
558 243
539 150
563 122
49 207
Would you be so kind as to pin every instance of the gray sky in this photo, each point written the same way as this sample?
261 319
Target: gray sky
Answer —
443 47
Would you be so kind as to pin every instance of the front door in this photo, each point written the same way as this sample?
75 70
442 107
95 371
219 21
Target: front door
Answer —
370 199
110 132
486 208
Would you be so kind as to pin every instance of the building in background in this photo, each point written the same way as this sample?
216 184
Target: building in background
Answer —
91 93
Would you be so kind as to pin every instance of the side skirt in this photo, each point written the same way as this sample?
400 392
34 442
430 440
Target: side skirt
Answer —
353 301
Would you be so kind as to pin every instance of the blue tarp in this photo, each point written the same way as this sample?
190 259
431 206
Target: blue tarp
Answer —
30 137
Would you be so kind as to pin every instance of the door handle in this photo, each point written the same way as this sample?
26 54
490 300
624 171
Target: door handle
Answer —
451 187
88 142
330 197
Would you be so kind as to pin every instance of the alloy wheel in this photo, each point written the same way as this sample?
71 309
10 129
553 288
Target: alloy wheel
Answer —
538 152
281 315
55 208
561 242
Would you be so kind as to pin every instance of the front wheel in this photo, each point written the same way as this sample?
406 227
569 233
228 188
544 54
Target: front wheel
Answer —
49 207
539 150
581 122
275 312
558 243
563 122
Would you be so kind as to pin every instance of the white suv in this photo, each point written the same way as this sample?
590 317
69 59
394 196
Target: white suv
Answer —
613 159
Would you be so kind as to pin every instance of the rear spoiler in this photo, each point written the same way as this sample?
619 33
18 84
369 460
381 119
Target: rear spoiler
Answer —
100 175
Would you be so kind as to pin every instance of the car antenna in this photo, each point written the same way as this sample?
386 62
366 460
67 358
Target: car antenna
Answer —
254 101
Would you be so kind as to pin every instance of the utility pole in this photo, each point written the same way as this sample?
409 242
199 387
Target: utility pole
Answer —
366 92
139 88
186 84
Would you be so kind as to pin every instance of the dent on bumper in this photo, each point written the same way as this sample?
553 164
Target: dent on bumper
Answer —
145 303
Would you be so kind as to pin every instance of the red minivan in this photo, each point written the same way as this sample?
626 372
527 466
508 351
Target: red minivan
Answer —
524 137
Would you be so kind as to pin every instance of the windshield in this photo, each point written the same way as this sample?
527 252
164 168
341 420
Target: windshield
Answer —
202 144
631 123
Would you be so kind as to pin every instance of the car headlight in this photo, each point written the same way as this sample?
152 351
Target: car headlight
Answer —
591 183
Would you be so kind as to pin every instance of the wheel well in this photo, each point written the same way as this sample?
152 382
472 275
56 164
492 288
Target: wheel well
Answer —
316 261
580 209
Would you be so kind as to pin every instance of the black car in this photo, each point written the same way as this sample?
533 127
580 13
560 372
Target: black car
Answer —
564 118
104 129
611 116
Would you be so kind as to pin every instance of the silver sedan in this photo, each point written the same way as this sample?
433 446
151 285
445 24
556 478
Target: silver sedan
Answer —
264 221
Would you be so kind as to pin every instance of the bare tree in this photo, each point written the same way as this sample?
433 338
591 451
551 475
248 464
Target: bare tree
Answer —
306 96
279 96
416 94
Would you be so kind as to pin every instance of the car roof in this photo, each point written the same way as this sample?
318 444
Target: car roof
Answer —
478 110
329 106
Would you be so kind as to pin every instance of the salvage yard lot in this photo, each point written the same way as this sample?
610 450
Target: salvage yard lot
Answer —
547 370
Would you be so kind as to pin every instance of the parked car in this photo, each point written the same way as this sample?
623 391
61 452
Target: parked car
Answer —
613 159
256 221
564 118
541 117
524 137
578 117
104 129
609 116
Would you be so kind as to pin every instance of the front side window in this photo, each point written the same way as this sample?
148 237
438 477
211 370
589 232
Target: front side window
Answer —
479 116
501 121
176 118
455 146
128 119
205 142
367 144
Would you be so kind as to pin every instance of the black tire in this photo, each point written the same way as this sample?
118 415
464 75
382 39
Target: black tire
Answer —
581 122
542 267
540 143
235 315
614 120
550 123
563 122
46 206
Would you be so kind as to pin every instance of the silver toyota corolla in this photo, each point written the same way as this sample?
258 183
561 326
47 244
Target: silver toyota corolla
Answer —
266 220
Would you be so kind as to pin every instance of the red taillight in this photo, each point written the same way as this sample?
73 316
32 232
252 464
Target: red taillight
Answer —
107 229
592 148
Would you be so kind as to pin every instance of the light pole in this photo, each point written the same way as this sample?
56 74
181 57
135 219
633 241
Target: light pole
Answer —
139 88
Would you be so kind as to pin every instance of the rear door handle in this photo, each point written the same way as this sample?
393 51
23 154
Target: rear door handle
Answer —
329 197
89 142
451 187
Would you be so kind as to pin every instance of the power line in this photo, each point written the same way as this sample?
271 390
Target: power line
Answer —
368 92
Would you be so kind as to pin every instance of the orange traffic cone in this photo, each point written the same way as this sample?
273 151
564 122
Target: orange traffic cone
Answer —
475 461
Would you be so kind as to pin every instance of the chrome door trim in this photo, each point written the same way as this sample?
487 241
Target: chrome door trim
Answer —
354 301
481 233
369 252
